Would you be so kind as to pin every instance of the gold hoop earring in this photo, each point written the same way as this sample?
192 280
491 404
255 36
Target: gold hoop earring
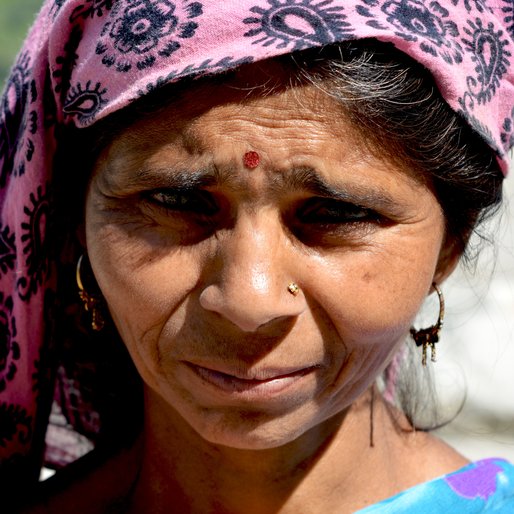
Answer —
428 337
91 302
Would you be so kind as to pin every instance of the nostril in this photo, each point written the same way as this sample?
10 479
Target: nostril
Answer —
208 298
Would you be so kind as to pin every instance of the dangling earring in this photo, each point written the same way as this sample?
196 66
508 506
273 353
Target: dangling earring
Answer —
91 302
430 336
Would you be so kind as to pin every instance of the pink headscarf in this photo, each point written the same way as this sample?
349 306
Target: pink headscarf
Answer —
85 59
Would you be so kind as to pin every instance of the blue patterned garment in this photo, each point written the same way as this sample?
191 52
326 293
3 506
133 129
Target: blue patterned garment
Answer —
486 486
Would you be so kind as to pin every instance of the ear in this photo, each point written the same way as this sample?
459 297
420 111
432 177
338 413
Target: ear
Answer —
449 257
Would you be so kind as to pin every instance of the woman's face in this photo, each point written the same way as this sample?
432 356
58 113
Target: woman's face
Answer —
194 253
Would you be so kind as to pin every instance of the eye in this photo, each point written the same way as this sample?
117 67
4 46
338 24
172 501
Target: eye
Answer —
328 222
325 211
195 202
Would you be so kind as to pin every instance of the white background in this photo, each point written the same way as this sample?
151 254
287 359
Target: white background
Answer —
476 353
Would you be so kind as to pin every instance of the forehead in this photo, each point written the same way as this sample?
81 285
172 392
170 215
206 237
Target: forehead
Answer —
265 93
262 107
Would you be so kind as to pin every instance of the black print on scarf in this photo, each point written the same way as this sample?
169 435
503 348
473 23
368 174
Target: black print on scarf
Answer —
507 135
90 9
298 23
85 101
36 246
64 64
206 67
56 7
9 347
145 31
482 129
14 421
491 57
18 121
44 365
508 11
7 250
479 5
423 21
49 103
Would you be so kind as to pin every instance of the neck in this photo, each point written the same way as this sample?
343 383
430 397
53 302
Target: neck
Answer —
327 465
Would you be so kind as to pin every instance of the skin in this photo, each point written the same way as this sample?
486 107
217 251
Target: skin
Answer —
193 252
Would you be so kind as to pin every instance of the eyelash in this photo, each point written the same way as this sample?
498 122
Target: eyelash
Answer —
326 212
313 220
197 202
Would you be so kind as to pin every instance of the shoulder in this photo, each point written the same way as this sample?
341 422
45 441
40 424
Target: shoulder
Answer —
481 487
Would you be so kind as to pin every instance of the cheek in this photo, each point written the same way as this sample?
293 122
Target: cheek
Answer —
143 284
370 299
371 296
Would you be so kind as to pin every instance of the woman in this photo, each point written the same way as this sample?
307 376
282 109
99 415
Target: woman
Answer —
257 230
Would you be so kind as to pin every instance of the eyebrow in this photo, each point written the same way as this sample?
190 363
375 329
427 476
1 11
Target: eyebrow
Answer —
307 179
164 177
299 179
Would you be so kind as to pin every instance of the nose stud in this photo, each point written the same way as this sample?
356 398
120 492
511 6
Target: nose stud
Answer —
293 289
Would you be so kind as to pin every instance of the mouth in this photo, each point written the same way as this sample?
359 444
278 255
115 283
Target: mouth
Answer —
264 382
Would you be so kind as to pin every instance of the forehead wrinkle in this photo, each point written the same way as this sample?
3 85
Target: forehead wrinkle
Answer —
300 179
191 139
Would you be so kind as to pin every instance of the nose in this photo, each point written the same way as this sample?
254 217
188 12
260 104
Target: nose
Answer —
252 272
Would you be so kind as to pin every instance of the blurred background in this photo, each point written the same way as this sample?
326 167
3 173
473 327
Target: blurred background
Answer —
477 347
476 353
16 17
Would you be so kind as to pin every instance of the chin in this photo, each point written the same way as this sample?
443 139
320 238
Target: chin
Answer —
242 425
253 439
253 430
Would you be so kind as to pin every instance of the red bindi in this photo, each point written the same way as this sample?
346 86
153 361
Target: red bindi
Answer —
251 160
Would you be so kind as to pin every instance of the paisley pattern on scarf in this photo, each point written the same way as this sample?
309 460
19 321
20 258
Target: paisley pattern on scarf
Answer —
84 101
427 23
488 48
36 245
297 24
85 59
18 122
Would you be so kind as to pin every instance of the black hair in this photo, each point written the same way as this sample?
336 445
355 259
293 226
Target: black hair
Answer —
394 103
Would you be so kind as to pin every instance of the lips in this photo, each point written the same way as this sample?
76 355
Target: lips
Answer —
264 381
